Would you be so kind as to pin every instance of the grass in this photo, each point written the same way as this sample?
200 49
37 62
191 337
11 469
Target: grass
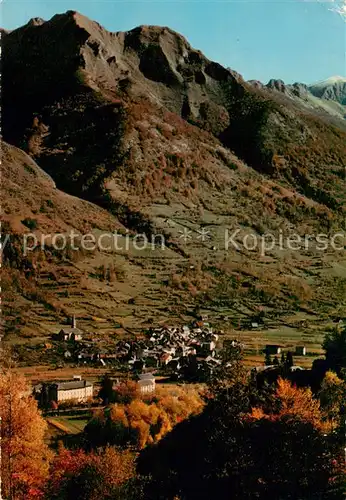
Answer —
69 424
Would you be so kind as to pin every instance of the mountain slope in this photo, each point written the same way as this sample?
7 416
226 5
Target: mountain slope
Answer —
149 136
101 75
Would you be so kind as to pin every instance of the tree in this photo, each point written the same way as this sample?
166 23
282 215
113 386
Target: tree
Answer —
25 456
229 371
294 402
334 345
126 392
76 474
44 396
140 422
267 359
276 361
289 360
106 392
283 358
226 452
332 397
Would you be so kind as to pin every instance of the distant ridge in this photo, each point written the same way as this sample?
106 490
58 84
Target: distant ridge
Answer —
331 89
329 81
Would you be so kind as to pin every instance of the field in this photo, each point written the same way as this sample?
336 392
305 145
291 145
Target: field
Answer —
69 424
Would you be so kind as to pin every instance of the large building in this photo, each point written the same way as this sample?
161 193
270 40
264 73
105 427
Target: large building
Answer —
77 390
80 390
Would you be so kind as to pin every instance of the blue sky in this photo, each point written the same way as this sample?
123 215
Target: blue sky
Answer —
294 40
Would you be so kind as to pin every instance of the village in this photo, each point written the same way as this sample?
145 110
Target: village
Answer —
183 354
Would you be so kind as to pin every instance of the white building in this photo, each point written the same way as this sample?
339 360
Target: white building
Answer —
146 383
79 390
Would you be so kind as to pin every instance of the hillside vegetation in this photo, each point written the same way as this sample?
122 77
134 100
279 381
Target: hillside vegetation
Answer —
138 132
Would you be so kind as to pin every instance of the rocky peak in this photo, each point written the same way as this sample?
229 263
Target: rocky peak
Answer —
36 21
332 89
276 85
256 83
299 89
149 62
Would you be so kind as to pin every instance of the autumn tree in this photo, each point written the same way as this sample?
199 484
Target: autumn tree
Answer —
228 452
298 402
126 391
140 422
25 456
108 474
333 397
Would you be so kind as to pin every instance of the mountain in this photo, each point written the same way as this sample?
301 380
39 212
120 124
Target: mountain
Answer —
326 98
332 89
139 132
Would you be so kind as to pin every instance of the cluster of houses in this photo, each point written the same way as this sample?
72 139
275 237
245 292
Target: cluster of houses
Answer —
180 351
163 346
184 352
190 352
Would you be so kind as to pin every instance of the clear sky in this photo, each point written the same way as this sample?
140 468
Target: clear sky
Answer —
295 40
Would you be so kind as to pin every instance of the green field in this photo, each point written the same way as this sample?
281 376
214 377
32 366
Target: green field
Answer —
70 424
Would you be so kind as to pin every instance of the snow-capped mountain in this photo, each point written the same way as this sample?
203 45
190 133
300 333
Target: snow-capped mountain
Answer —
333 89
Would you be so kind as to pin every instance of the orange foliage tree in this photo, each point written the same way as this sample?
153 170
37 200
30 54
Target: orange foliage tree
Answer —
25 456
332 396
293 402
90 476
140 422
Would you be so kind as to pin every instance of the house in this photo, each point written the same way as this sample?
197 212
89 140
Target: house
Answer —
300 350
273 349
296 368
146 383
165 358
70 333
146 386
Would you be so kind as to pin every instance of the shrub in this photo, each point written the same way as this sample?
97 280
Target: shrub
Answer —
30 223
